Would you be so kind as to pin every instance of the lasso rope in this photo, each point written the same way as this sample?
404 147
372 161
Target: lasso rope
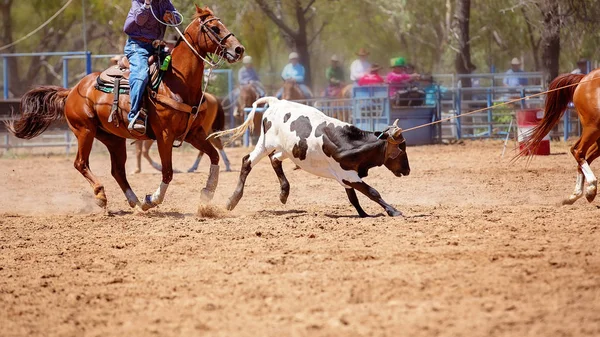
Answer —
62 9
500 104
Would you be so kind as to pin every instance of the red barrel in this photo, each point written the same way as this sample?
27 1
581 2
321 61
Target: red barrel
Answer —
527 120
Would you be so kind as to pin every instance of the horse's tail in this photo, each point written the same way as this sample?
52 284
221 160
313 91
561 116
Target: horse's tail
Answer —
557 100
236 133
39 108
219 122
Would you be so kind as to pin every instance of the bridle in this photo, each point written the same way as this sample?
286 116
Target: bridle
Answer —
219 41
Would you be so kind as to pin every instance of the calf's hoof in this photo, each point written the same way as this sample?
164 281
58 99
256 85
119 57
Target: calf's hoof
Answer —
394 212
283 198
570 200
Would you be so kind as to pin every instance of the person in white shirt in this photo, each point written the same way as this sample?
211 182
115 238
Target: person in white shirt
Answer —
360 67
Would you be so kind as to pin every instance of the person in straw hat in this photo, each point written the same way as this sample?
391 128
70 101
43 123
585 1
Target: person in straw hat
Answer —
360 66
335 77
582 67
372 77
512 80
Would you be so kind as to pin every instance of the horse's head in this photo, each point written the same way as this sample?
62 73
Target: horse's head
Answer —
291 90
248 95
210 35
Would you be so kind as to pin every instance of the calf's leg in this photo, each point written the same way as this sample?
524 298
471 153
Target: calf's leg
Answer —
372 193
285 184
354 201
247 163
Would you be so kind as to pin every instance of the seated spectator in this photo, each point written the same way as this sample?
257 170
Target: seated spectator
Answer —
398 78
433 91
512 80
335 77
372 77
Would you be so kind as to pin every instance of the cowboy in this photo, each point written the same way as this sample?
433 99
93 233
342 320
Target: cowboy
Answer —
335 77
398 78
295 71
143 28
512 80
582 67
372 77
247 75
360 67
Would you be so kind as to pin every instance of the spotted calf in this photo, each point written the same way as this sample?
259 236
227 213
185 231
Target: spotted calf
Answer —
323 146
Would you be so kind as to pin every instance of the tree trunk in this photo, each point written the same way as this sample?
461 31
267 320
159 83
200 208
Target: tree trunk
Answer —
301 41
463 62
550 45
6 38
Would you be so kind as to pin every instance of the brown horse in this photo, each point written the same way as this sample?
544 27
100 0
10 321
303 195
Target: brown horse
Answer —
214 121
582 90
248 95
292 91
87 111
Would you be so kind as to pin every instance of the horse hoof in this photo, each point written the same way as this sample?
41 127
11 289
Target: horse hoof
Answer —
137 171
148 203
101 202
283 198
569 201
192 170
207 195
590 193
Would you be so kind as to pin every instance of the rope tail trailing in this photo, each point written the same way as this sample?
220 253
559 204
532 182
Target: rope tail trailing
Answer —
557 102
39 108
238 132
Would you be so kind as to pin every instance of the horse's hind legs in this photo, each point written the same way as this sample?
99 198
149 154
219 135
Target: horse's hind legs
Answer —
85 140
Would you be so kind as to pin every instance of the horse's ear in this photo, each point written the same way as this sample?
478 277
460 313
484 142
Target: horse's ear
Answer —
198 9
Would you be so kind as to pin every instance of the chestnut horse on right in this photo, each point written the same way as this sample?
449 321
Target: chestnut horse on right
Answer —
582 90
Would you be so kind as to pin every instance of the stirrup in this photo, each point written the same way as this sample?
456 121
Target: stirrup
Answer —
137 124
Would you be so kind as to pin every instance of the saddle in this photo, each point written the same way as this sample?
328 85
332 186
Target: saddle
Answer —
117 76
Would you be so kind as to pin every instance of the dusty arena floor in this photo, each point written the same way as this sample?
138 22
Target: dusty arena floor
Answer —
484 250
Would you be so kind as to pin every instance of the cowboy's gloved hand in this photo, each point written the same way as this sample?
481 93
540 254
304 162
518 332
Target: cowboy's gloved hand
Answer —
169 18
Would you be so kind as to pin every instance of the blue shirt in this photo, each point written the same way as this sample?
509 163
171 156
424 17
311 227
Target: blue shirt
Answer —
247 75
514 80
295 72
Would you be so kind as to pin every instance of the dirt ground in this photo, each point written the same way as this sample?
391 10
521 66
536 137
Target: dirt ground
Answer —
484 250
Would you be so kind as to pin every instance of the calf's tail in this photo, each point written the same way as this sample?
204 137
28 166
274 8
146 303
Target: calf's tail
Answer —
236 133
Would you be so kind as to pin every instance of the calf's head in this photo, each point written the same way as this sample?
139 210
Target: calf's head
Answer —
396 159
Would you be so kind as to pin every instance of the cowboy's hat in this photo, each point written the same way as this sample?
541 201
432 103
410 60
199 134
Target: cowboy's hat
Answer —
362 52
334 58
398 62
515 62
293 55
247 59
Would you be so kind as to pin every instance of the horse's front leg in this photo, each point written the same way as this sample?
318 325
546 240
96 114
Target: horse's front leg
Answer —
165 149
198 140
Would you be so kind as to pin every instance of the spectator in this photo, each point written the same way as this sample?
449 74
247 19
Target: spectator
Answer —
247 76
582 67
360 67
295 71
513 80
372 77
432 90
335 77
398 78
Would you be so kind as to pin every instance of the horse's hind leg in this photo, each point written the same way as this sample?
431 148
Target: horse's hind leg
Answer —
580 150
165 149
147 144
276 160
85 139
219 145
118 156
138 156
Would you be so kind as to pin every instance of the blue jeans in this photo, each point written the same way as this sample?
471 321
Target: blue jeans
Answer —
138 53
